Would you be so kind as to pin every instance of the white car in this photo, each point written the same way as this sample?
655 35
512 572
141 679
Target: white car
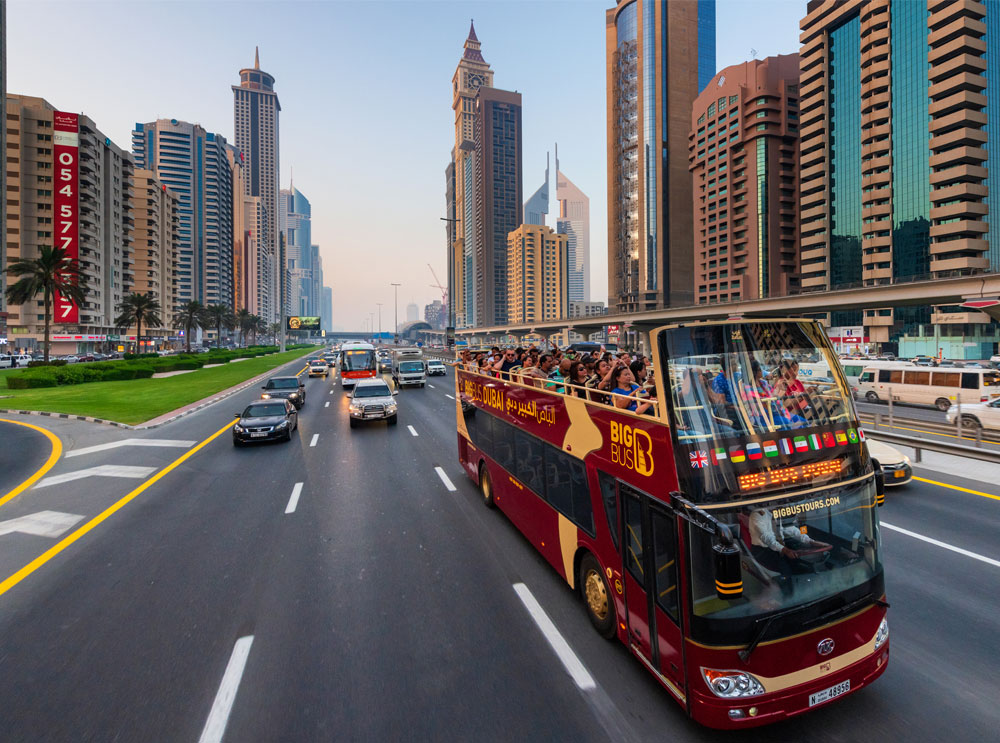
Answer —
435 367
975 415
895 465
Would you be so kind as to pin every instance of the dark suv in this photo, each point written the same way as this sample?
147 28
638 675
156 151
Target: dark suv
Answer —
285 388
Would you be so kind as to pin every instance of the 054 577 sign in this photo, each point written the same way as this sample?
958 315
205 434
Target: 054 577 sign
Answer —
66 200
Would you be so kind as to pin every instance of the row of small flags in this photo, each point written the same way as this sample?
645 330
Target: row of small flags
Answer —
772 448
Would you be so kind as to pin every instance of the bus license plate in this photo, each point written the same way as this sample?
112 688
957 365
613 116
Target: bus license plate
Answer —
827 694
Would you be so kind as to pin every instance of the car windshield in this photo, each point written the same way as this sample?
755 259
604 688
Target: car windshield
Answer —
372 390
411 366
358 360
264 410
317 362
834 541
283 384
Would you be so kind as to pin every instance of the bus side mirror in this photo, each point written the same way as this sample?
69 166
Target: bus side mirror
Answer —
879 483
728 574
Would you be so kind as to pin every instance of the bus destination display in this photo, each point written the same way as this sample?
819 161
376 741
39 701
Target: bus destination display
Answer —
787 475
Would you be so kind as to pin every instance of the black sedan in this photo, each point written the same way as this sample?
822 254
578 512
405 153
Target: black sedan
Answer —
287 388
266 420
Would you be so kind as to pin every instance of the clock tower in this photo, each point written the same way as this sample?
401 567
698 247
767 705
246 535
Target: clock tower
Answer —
471 74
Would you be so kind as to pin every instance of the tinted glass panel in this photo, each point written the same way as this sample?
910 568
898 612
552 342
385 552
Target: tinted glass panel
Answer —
665 561
883 375
633 538
970 381
609 494
558 484
503 445
583 509
530 461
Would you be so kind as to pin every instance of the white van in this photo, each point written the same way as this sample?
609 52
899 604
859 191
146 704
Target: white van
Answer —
408 368
940 387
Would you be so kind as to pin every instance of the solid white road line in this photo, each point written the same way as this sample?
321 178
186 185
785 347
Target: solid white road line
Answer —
413 430
432 386
570 662
331 392
327 404
41 524
315 438
294 500
447 395
215 726
104 470
444 478
175 443
944 545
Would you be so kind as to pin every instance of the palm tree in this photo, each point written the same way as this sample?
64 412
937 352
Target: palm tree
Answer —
53 271
274 328
138 308
243 322
257 325
219 316
190 315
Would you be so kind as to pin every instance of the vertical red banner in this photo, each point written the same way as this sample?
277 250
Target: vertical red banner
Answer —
66 200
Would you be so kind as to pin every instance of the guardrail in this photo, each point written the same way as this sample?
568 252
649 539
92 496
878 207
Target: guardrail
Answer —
976 433
941 447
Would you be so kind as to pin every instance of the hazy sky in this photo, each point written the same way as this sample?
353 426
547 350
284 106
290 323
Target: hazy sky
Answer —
365 91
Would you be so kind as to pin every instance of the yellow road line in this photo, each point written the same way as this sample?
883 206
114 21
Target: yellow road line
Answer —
57 448
32 566
956 487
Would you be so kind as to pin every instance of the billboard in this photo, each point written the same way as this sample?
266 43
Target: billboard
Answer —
302 322
66 200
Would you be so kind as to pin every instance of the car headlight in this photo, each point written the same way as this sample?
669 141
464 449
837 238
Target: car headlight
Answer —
238 428
355 407
281 426
883 633
294 395
391 407
732 684
265 396
906 460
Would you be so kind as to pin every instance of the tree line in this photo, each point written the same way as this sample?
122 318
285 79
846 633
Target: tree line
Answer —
54 271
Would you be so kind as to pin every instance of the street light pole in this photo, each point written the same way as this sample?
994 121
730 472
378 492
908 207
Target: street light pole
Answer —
450 330
371 325
379 320
395 311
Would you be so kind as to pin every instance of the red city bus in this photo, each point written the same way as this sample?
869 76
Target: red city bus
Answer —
730 539
357 361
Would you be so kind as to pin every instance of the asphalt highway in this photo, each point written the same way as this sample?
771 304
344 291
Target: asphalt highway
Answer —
338 588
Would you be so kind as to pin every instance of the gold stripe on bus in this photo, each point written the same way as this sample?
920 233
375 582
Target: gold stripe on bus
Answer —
729 591
782 496
783 639
567 545
824 668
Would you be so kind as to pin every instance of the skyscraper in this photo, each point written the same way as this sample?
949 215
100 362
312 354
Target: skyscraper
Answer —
536 208
326 316
194 165
412 312
743 157
471 74
295 222
898 176
157 235
574 222
255 122
498 189
659 55
537 274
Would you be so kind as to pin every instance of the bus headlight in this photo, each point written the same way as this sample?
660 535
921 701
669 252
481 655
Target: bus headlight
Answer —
883 633
732 684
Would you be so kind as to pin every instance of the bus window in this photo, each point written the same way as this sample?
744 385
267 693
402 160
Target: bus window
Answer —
917 377
530 461
991 379
558 485
867 377
503 444
970 381
583 508
633 537
883 376
609 496
895 376
946 379
665 561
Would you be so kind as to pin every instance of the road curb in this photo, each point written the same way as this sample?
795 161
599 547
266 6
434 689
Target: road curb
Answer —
199 405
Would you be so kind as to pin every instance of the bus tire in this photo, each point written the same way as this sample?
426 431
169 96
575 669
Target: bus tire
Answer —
871 397
942 404
486 486
597 596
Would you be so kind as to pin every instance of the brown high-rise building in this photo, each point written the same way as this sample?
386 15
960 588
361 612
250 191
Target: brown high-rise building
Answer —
157 236
743 155
897 179
659 56
537 274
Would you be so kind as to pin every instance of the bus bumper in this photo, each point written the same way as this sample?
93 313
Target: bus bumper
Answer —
731 714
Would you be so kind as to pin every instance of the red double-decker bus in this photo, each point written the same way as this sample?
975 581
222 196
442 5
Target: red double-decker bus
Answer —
728 537
357 361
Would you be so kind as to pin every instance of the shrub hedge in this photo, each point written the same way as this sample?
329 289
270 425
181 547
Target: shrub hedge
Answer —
53 362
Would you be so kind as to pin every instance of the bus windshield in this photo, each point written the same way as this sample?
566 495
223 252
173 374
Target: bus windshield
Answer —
830 546
361 360
744 417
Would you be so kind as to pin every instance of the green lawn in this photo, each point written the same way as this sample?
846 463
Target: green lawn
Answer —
140 400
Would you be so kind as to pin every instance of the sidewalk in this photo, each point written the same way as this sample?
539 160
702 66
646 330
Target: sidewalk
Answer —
948 464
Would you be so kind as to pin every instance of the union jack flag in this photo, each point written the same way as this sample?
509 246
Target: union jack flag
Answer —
699 459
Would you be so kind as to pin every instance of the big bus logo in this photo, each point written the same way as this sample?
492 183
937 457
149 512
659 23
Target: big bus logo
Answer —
631 448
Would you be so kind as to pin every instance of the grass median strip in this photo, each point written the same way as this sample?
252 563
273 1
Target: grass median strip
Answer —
137 400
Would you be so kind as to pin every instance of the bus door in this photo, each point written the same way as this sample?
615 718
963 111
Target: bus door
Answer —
649 553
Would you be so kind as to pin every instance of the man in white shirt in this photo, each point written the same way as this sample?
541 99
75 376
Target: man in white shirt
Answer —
779 547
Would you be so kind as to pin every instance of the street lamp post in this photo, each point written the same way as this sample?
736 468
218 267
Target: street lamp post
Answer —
379 320
395 311
450 330
371 325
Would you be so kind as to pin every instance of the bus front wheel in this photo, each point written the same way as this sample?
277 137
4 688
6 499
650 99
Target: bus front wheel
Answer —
597 597
871 397
486 486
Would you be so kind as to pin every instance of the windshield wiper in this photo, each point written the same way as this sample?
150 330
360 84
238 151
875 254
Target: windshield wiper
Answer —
748 650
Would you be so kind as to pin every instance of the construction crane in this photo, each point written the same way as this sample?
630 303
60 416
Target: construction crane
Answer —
437 285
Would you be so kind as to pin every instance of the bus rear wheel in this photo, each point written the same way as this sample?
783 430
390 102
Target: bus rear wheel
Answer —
871 397
942 404
486 486
597 597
